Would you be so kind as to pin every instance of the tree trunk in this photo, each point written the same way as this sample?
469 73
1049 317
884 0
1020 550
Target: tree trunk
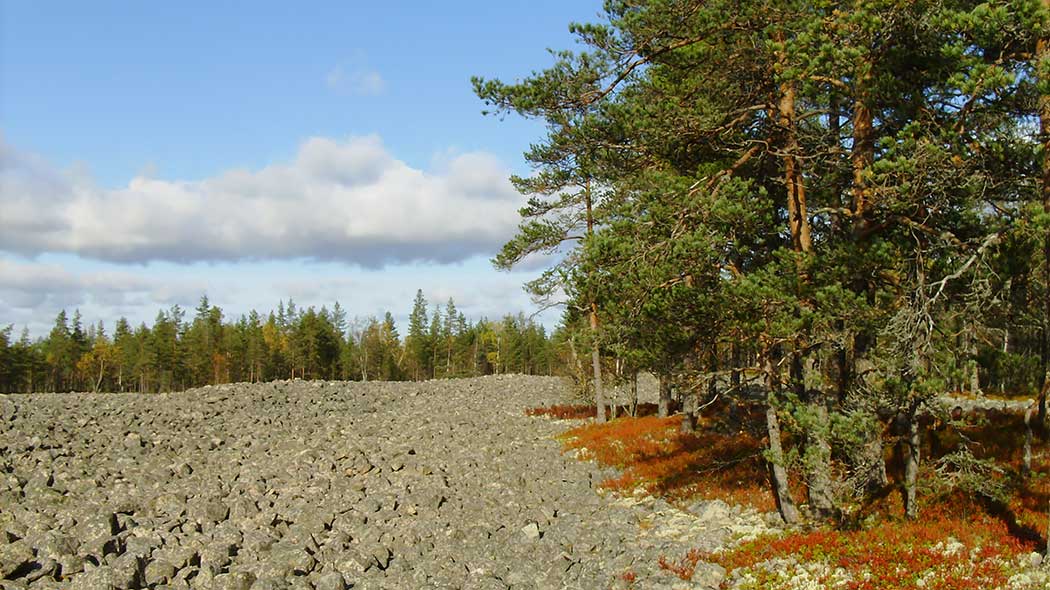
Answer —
911 466
779 477
364 366
844 365
1026 467
663 409
863 153
596 361
798 218
817 453
734 376
596 366
862 156
101 374
634 395
688 412
712 383
817 458
777 464
867 461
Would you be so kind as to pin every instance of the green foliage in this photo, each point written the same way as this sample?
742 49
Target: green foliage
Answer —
842 197
962 471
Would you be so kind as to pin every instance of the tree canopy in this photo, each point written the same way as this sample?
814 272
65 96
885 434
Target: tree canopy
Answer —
847 203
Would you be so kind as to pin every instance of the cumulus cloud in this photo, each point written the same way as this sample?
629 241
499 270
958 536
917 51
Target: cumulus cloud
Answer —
337 200
356 81
32 292
36 286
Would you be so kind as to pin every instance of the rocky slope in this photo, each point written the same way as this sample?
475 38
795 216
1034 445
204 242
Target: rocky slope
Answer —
443 484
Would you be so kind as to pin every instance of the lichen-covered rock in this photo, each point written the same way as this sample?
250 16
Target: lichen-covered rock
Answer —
14 557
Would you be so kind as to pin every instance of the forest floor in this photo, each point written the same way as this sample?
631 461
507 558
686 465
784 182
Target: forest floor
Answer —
960 540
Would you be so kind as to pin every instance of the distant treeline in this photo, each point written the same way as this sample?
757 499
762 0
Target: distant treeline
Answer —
177 352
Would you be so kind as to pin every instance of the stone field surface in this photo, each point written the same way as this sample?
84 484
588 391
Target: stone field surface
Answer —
327 485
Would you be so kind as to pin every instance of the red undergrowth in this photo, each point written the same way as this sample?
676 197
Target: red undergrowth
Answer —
958 542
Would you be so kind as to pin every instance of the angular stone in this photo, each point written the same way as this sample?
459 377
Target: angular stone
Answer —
96 534
133 442
169 505
708 576
353 563
179 556
14 557
210 510
271 584
531 531
100 578
216 556
330 581
711 511
127 570
159 571
233 581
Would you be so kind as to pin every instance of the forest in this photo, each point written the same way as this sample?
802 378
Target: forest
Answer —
840 210
177 352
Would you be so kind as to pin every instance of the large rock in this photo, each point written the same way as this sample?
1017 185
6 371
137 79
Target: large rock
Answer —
14 558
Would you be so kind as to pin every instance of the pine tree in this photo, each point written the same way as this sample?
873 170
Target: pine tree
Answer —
451 321
435 336
418 341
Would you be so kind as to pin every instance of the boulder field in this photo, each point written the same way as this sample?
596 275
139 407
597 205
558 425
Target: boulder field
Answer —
327 486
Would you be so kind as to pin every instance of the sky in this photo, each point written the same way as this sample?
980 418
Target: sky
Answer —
152 153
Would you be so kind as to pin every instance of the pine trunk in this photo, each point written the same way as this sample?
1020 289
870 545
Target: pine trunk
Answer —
818 448
688 413
798 218
101 375
596 367
818 459
663 409
777 464
1026 466
911 466
596 361
634 395
734 376
779 477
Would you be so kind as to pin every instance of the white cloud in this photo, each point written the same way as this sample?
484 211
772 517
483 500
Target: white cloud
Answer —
356 81
26 284
339 200
33 292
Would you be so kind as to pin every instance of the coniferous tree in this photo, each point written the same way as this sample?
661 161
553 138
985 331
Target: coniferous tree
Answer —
418 341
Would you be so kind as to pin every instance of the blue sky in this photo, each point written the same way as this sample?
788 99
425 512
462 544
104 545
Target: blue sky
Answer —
150 152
